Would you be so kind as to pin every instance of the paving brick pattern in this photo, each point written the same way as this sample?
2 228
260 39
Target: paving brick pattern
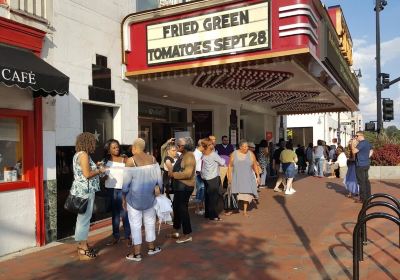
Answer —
307 235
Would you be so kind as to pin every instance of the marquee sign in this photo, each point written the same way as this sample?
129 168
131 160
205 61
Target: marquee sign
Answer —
233 30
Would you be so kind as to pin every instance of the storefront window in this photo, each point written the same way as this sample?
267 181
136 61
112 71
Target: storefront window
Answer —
11 149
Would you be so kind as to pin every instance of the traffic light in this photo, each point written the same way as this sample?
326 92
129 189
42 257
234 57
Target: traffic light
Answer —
387 109
385 80
370 126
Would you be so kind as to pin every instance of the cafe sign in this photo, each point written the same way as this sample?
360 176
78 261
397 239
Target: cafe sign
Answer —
231 31
17 76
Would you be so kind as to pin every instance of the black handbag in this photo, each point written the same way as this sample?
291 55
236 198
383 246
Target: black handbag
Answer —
76 204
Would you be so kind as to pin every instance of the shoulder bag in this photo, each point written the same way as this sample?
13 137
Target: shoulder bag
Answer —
76 204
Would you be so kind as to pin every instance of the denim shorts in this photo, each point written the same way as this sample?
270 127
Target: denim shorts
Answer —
199 189
289 169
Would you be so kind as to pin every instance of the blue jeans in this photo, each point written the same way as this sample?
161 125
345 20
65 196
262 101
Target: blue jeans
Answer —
319 162
199 189
83 221
118 212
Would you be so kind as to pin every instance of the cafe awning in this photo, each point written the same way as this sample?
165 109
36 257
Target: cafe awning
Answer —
22 68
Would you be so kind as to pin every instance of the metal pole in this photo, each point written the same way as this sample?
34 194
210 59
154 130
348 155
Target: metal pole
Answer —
378 68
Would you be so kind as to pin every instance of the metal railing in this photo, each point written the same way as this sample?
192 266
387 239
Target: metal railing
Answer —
360 230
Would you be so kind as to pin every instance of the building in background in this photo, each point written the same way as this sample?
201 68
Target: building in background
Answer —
305 129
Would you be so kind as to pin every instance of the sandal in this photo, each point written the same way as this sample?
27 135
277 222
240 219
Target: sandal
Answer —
134 257
86 254
154 251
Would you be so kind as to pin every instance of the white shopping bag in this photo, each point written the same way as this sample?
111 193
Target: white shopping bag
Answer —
163 207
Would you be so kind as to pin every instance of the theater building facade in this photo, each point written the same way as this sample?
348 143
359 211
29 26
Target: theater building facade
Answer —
236 67
222 67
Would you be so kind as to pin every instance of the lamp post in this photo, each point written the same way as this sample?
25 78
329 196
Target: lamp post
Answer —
379 4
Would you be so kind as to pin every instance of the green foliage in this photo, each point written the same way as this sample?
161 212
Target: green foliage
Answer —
390 135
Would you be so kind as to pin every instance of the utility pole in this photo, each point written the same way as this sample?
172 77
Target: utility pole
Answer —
378 7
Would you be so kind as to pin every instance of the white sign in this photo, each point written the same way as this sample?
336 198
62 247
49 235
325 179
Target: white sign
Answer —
226 32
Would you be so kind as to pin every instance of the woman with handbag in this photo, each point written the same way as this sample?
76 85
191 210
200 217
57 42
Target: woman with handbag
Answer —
244 175
113 183
142 184
86 183
183 175
211 162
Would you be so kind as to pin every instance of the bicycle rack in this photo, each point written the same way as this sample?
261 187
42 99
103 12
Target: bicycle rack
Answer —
363 229
357 237
367 201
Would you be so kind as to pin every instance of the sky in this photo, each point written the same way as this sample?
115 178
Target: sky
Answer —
360 18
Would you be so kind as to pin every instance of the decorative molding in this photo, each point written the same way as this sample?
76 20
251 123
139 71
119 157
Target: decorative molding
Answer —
303 106
280 96
240 79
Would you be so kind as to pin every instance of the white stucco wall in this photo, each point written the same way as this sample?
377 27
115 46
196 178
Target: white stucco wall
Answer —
324 125
17 220
82 30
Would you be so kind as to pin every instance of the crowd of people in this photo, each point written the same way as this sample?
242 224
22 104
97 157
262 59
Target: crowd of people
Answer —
211 170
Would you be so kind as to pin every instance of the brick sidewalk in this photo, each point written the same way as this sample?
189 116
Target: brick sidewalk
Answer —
303 236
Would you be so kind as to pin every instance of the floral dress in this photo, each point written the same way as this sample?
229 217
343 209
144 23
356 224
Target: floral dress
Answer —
81 186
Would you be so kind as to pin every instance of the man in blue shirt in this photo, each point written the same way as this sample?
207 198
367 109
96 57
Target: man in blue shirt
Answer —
363 151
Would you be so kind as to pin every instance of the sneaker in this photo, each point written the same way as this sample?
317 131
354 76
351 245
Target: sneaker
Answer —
293 190
262 187
154 251
184 240
171 223
200 212
277 190
134 257
289 192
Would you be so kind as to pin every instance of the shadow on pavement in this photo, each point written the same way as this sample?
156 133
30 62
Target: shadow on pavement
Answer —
218 251
343 243
304 239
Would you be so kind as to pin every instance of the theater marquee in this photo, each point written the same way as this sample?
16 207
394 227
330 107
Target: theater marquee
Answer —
220 33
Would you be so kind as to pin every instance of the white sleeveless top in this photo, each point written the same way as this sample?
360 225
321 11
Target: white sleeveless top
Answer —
115 174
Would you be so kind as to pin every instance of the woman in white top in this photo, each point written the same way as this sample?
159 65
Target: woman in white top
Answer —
113 183
340 164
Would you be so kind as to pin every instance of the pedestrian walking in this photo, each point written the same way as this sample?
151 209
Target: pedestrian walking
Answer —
278 168
86 183
242 167
288 159
113 183
363 151
142 183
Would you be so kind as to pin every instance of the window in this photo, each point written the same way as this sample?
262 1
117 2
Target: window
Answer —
11 149
17 149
